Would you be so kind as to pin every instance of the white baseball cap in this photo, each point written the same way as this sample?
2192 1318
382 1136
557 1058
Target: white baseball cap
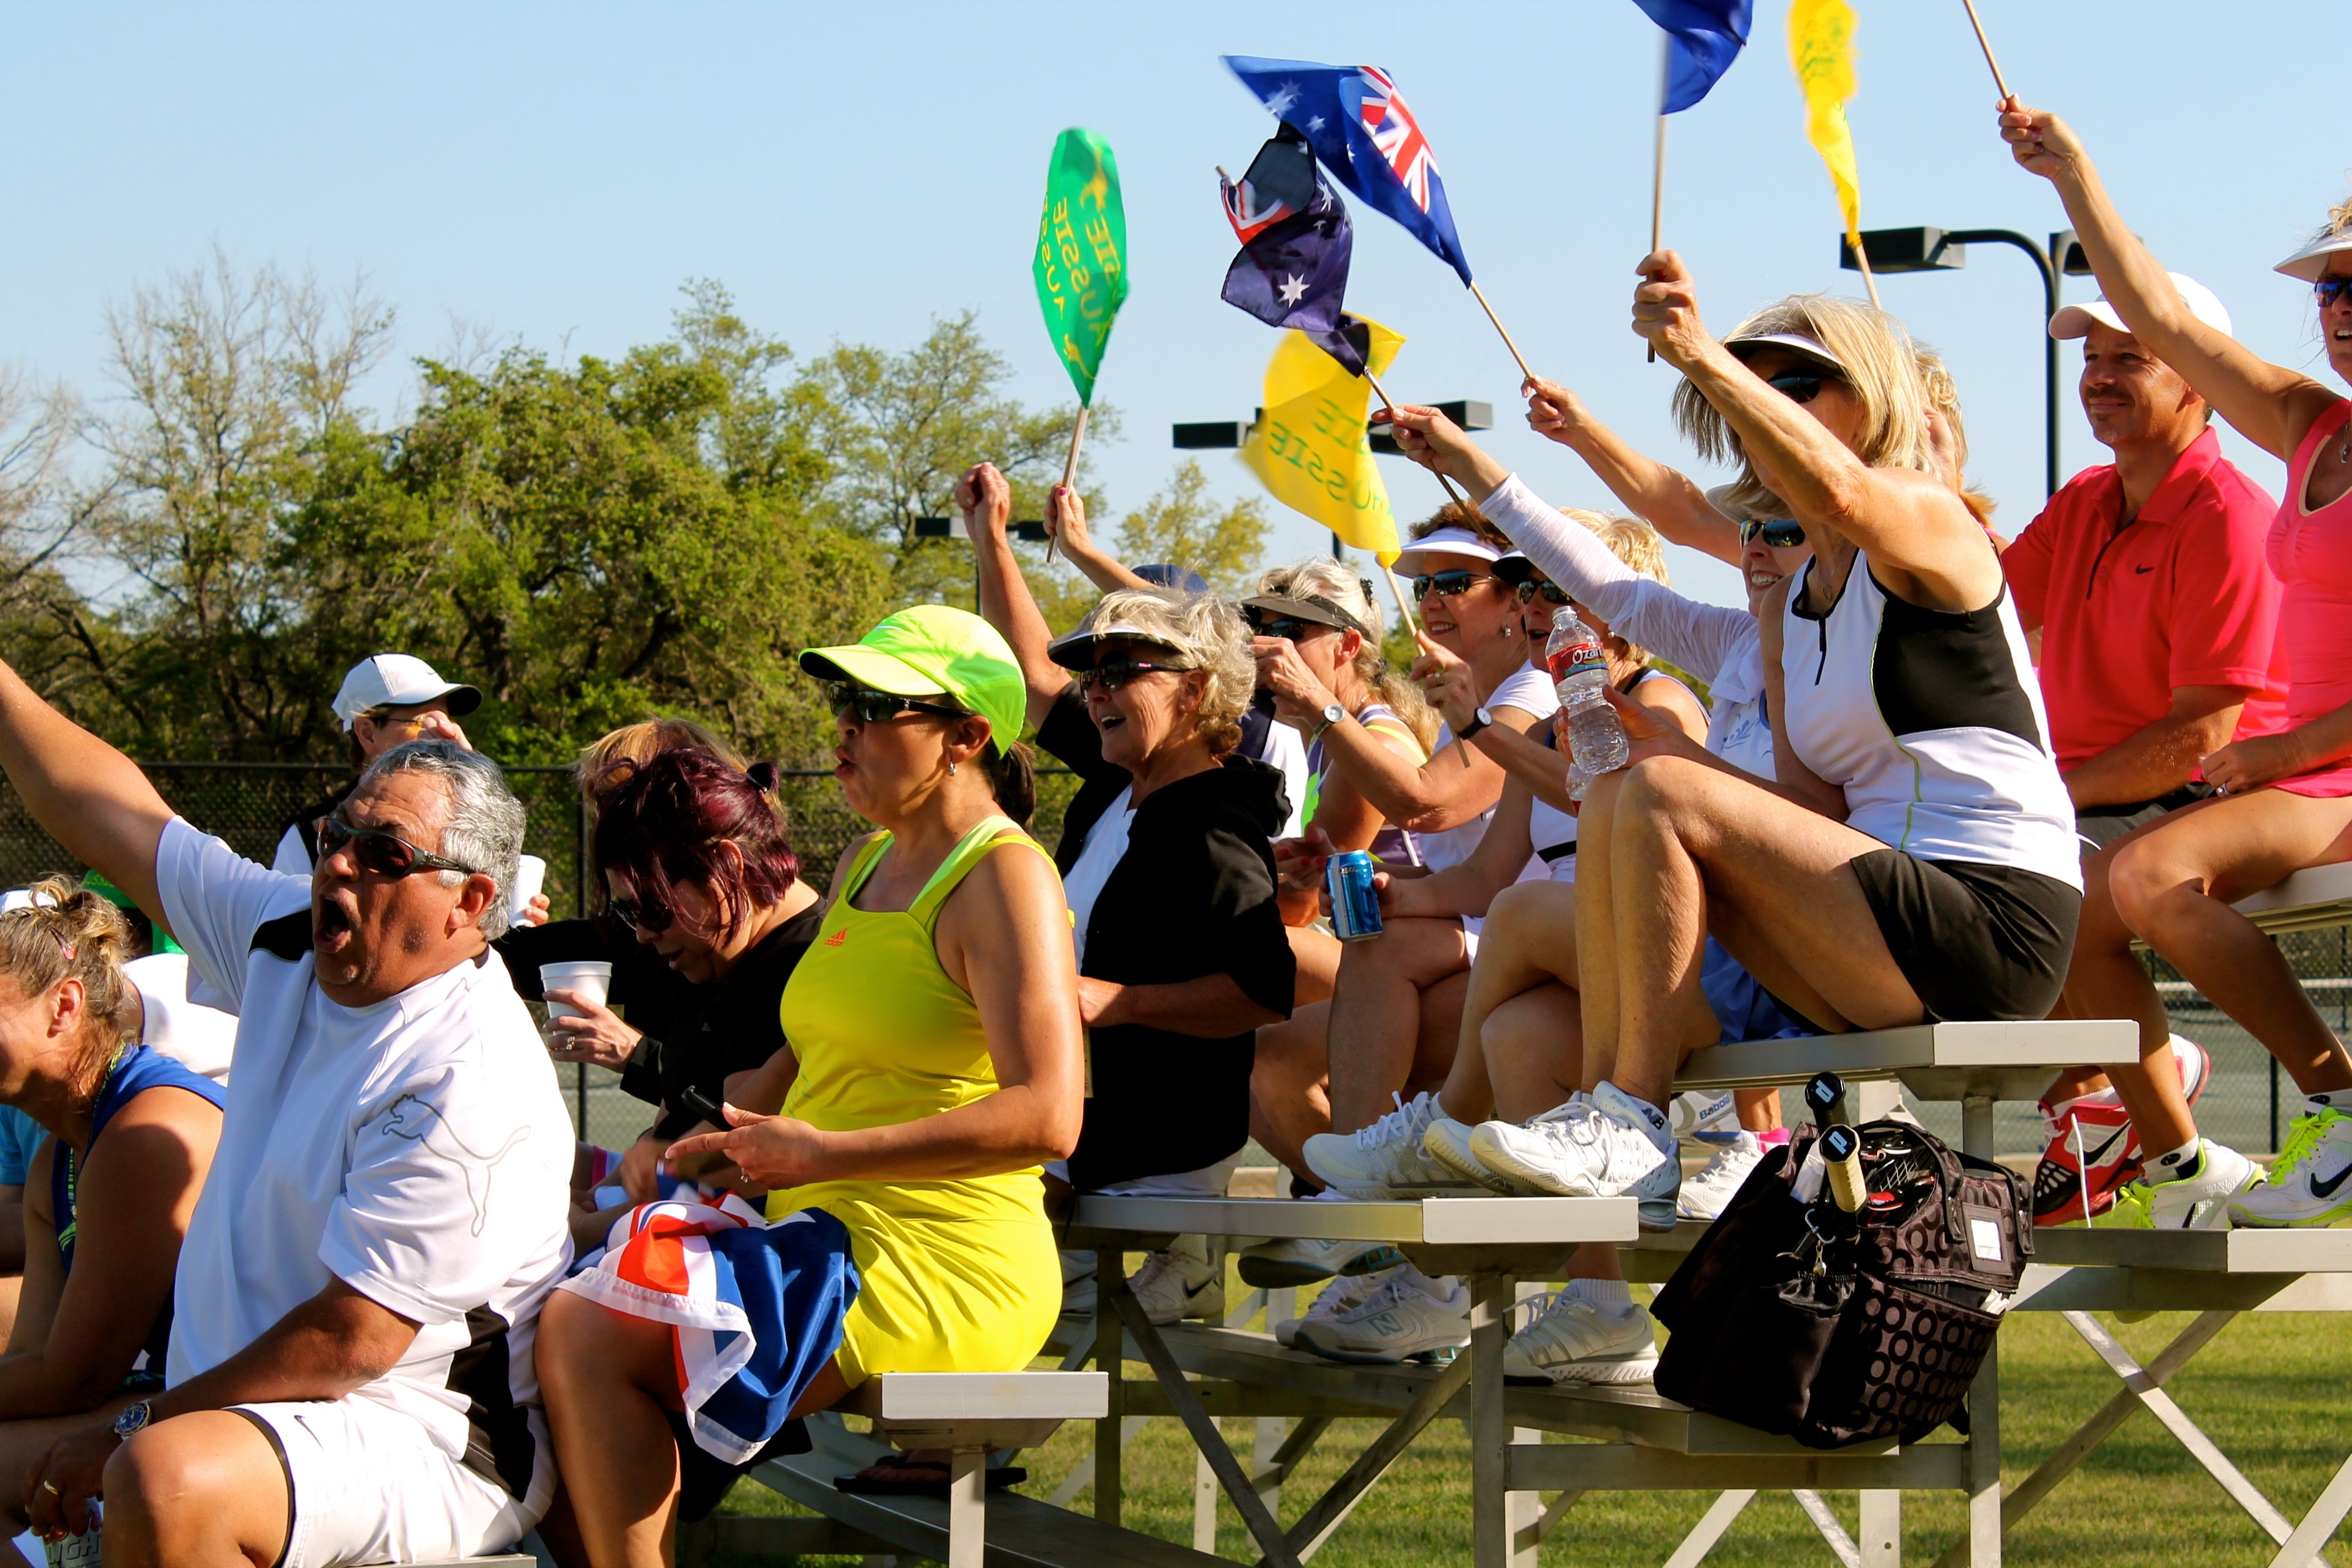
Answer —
2309 262
2075 321
1448 540
400 681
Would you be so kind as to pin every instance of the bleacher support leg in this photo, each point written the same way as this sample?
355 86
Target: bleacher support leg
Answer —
1984 1394
1880 1535
1490 1434
967 1508
1110 1355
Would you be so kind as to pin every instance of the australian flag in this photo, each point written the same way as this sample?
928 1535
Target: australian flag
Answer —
1295 243
1358 123
1703 38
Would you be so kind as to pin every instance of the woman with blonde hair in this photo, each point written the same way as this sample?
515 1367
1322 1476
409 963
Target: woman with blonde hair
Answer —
1914 859
110 1192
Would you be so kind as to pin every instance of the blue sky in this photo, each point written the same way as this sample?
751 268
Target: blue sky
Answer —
553 174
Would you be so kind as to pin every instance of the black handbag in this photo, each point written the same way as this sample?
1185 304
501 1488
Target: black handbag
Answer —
1833 1328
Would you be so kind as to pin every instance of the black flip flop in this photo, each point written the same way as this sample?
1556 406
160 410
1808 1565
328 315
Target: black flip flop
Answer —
998 1477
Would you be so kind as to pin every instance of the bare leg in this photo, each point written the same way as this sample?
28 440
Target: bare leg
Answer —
1535 1053
1759 1109
1596 925
1528 940
1289 1099
2105 979
202 1490
1434 1046
1376 1013
1317 956
610 1379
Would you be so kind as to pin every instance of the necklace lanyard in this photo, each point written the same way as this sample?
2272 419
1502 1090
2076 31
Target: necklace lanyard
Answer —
73 1170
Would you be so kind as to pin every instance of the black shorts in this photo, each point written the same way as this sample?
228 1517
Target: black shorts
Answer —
2103 825
1976 941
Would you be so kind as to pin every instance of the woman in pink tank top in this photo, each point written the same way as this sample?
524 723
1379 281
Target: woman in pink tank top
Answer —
2285 800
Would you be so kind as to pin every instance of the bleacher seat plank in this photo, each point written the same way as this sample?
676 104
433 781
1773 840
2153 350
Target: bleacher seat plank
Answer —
1999 1060
1436 1222
2307 900
2218 1251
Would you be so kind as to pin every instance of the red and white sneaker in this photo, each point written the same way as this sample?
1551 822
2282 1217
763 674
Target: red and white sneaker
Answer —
2110 1148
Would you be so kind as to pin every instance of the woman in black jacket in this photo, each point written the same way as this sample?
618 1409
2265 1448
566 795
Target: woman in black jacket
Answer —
1165 861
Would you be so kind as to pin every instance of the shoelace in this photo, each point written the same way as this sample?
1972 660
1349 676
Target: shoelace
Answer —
1548 1328
1337 1303
1397 1124
2304 1134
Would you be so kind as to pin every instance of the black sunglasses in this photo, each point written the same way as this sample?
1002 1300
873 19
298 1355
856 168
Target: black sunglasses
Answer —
1551 593
2328 290
1452 583
1799 388
878 707
651 918
386 854
1780 534
1119 672
1266 624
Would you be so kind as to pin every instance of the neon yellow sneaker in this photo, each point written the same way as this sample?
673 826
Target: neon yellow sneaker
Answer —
2198 1201
2310 1181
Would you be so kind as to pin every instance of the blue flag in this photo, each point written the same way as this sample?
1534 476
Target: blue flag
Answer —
1296 243
1703 38
1363 133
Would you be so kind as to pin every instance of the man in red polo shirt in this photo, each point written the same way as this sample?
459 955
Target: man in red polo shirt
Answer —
2158 619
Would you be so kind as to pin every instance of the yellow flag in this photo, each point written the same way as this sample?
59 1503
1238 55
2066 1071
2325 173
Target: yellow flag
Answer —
1821 46
1310 449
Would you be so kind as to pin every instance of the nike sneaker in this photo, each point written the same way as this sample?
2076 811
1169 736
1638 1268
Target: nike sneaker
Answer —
1604 1147
1270 1265
2310 1181
1706 1195
1385 1159
1406 1317
1572 1340
2201 1200
2110 1148
1188 1280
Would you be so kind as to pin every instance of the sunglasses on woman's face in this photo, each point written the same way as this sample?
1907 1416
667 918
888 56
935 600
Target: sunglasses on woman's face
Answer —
1452 584
1799 388
1288 627
1120 671
1780 534
650 918
878 707
385 854
1551 593
2330 290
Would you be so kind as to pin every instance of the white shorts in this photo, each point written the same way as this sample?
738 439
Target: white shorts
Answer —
369 1486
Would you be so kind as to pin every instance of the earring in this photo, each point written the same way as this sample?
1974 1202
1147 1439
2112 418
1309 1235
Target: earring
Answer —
950 770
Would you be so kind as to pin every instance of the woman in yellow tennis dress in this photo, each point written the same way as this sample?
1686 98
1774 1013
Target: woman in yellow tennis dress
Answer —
934 1066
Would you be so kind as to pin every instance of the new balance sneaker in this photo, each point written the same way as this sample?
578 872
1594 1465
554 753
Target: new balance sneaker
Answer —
1270 1265
1405 1317
2199 1201
1604 1147
1385 1159
1572 1340
2309 1185
1188 1280
1447 1142
1704 1196
1343 1294
1709 1118
2110 1148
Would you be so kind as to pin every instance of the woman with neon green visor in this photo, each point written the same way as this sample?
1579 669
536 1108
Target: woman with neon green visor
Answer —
934 1066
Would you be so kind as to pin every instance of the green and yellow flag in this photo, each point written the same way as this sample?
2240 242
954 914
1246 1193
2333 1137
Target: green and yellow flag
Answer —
1081 254
1820 47
1310 448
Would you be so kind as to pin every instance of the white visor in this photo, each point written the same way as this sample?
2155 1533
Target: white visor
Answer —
1076 650
2309 262
2075 321
1445 542
1797 341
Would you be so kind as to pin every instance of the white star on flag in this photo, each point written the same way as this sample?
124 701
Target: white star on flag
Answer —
1293 288
1315 124
1279 104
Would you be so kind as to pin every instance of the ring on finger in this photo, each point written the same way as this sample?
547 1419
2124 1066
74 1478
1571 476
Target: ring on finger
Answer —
51 1487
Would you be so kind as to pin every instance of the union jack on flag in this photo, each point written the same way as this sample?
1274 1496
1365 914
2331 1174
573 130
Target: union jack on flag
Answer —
1365 138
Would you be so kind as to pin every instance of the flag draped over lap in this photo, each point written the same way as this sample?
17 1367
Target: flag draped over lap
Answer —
1703 38
1821 47
1310 449
755 1309
1081 265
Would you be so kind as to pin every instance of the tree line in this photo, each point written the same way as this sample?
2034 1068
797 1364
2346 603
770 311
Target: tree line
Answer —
189 563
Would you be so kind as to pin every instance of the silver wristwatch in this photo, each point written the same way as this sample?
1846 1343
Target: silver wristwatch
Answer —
1332 714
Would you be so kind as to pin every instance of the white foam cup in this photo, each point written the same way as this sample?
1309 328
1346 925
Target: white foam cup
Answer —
531 877
589 980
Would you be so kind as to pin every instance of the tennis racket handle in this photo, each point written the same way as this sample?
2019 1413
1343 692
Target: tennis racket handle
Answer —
1842 1153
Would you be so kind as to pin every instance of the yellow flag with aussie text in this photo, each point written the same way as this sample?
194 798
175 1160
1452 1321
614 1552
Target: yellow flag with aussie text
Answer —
1310 449
1821 47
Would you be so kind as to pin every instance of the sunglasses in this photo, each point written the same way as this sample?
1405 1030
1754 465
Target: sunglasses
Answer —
878 707
1119 672
2328 290
1452 584
1780 534
1799 388
1551 593
385 854
1288 627
651 918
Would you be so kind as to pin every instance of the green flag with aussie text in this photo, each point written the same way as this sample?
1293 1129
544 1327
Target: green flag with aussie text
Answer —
1081 261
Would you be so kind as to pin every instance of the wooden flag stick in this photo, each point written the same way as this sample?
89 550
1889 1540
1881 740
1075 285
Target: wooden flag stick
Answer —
1524 371
1986 45
1658 162
1070 473
1444 483
1862 257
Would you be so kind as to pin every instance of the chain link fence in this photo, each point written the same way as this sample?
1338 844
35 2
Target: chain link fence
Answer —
2247 1104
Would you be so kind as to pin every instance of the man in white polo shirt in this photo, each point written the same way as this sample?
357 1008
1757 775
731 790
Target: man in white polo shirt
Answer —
351 1375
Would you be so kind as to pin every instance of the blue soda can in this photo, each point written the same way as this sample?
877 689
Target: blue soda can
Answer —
1355 906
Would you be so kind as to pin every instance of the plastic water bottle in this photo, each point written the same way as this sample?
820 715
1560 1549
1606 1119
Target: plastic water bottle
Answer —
1580 671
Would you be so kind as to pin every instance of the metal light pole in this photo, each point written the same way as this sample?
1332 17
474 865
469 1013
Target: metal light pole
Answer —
1931 250
1224 435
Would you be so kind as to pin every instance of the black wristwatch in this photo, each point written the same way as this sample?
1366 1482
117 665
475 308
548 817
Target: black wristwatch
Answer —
1479 720
1332 714
132 1420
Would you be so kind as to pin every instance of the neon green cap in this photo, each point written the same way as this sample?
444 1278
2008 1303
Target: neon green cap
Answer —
935 648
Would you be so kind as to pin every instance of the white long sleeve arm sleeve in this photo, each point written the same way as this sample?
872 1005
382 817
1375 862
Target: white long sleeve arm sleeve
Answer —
1698 637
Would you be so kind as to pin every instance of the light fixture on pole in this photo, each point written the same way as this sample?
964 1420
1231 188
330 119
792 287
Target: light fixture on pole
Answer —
1225 435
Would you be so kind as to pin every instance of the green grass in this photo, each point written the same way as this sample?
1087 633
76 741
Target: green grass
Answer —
2269 1391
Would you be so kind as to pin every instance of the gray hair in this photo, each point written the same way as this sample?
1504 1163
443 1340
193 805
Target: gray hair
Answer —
1206 632
484 831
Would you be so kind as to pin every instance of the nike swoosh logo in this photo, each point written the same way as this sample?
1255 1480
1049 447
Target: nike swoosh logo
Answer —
2098 1156
2142 571
2327 1189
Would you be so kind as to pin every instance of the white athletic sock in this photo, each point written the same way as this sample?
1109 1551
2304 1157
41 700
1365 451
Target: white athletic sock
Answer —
1613 1297
2181 1162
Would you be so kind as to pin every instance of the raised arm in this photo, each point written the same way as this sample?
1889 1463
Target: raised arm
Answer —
2270 405
986 502
1066 524
1667 498
91 798
1923 539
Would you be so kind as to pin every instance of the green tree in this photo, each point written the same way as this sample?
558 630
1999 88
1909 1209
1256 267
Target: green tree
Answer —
1183 526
